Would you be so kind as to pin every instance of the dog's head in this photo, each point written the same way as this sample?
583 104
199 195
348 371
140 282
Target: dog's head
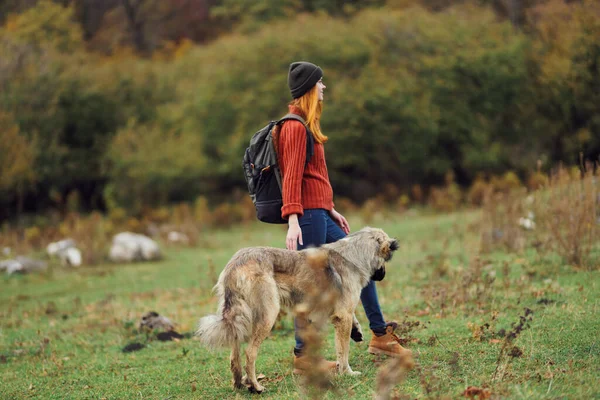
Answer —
386 248
383 248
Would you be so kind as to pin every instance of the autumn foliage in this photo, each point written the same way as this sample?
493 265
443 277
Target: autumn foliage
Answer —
138 104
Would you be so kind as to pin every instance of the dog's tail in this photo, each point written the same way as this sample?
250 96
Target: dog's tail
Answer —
231 326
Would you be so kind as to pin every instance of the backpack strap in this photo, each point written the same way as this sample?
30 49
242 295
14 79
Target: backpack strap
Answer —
310 141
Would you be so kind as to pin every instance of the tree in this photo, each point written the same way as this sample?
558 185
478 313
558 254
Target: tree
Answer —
46 25
90 14
147 25
565 63
8 7
17 159
150 165
249 15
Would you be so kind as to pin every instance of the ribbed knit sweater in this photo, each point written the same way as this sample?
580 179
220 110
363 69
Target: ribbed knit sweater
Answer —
302 188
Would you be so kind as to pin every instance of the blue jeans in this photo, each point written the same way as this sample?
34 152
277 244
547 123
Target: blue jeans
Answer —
318 228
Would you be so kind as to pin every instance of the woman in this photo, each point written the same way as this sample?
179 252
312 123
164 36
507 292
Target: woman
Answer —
308 197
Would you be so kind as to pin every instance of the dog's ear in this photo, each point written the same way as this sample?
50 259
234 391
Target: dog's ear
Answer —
387 248
379 274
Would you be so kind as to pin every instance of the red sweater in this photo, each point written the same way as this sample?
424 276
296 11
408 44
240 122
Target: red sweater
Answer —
303 188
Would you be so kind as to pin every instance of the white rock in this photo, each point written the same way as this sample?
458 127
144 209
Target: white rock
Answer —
127 247
11 266
178 237
31 265
526 223
71 257
6 251
119 253
149 248
66 251
529 200
14 267
54 248
22 265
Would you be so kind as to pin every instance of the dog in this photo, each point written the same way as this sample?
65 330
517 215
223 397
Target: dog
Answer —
258 281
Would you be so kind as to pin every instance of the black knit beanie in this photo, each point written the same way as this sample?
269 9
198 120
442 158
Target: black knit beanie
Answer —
302 77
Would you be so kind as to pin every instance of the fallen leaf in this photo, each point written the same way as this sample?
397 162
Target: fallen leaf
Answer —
276 379
421 313
473 391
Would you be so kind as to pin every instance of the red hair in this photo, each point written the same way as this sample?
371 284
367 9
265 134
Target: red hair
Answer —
312 108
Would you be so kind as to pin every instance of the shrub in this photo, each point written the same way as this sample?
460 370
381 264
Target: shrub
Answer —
223 216
201 211
33 235
537 180
402 203
478 191
344 205
416 192
447 198
372 209
506 183
500 221
567 211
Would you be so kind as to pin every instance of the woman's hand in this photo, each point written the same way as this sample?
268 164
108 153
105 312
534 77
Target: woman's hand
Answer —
340 221
294 234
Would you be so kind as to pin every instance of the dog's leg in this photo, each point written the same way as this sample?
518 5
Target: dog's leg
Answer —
343 326
260 334
262 328
236 366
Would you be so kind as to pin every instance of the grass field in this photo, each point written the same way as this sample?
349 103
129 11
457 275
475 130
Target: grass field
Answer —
61 333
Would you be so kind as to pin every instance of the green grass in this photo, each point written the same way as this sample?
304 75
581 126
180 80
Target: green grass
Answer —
61 333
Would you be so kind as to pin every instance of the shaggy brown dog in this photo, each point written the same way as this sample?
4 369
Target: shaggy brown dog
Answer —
257 281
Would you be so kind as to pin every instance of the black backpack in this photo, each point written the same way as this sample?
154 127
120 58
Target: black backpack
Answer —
262 172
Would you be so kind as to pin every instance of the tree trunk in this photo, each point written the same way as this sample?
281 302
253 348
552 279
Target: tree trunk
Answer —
136 24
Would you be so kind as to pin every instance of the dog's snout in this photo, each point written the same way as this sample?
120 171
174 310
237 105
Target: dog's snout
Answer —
394 245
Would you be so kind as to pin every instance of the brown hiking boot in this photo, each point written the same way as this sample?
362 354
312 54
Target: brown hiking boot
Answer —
389 343
303 364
